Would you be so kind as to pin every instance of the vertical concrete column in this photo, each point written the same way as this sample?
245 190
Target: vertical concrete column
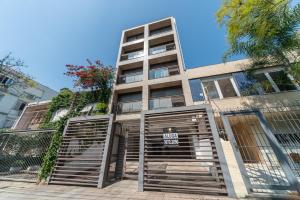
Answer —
146 50
185 84
187 91
145 97
113 98
146 69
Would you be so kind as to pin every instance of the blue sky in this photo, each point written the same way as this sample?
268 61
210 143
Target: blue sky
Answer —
47 34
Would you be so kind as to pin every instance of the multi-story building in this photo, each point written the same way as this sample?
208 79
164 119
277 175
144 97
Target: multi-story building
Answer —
15 94
209 130
152 80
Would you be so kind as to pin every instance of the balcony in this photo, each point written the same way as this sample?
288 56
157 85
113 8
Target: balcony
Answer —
129 107
130 78
135 37
166 102
163 71
160 30
162 48
132 55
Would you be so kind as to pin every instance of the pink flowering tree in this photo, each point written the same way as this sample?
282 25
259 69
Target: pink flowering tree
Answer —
96 77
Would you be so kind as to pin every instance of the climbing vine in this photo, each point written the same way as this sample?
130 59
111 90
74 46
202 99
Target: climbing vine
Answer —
98 91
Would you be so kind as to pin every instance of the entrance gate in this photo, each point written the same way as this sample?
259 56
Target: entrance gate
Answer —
180 152
262 161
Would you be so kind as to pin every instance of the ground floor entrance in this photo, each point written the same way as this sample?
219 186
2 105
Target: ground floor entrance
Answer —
181 150
259 153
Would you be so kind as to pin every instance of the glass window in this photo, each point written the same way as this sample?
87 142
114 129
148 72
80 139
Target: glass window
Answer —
196 89
165 92
282 81
130 97
246 84
264 82
210 89
227 88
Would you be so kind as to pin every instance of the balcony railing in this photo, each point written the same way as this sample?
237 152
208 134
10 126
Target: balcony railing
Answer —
166 102
163 72
160 30
162 48
129 107
130 78
132 55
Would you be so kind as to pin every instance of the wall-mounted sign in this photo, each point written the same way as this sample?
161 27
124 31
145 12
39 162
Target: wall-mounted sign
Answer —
170 138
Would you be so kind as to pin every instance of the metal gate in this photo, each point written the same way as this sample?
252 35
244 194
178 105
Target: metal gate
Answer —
261 158
22 153
82 157
180 152
132 139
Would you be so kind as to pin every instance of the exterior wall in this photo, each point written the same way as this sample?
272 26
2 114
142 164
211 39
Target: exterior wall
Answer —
269 100
147 84
14 96
183 79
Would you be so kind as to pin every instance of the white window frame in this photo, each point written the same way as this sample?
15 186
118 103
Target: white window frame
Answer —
215 80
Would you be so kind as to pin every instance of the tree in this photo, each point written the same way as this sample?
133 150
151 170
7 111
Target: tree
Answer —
263 30
95 77
11 75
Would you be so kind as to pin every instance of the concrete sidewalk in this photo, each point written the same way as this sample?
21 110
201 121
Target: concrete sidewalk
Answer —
125 189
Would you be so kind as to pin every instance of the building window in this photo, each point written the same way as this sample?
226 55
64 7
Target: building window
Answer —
196 89
282 81
211 90
264 83
227 88
19 106
246 84
4 80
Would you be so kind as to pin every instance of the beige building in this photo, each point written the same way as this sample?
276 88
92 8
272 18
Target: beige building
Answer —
151 75
209 130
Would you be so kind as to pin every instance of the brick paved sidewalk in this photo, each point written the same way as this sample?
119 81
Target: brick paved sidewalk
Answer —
125 189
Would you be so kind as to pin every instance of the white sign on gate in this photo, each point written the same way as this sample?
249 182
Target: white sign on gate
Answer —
170 138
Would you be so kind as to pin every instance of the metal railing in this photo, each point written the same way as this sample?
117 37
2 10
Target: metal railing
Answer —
132 55
262 165
22 153
163 71
130 78
162 48
129 107
166 102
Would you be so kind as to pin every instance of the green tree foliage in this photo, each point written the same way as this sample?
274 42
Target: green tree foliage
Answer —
263 30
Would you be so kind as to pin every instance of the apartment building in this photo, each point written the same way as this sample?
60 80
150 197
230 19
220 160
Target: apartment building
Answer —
14 97
207 130
154 90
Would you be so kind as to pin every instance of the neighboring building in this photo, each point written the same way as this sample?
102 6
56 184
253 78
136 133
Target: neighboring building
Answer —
14 97
209 130
32 116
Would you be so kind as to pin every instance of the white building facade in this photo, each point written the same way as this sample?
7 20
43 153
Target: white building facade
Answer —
14 97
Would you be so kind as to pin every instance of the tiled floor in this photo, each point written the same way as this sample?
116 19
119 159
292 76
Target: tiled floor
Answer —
121 190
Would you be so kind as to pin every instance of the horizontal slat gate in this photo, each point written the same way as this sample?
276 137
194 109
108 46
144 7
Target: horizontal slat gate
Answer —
81 152
180 154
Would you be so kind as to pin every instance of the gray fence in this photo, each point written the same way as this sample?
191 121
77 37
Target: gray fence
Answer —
22 152
254 147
